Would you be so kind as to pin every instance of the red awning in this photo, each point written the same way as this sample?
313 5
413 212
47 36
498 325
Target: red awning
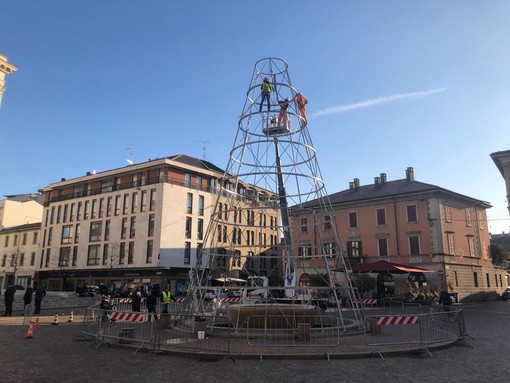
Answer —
387 267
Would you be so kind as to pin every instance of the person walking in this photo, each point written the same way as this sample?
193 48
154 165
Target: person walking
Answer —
27 297
265 92
9 299
151 302
301 103
40 293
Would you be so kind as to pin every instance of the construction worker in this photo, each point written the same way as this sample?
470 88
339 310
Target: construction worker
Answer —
265 89
166 297
301 103
282 117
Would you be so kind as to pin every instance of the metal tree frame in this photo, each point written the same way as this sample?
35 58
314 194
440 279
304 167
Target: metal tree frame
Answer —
273 172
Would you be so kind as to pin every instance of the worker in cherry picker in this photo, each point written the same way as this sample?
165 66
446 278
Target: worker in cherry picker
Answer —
265 91
282 117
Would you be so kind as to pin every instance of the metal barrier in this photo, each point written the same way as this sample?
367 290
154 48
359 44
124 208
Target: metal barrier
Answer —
302 330
421 329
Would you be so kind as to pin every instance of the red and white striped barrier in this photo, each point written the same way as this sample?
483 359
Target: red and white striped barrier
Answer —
230 300
394 319
128 300
127 317
180 300
370 302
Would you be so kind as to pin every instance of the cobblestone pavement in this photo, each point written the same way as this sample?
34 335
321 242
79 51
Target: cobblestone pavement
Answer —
52 355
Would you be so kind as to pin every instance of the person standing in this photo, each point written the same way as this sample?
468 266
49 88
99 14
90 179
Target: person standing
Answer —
136 299
27 297
282 117
9 299
40 293
265 89
301 103
166 297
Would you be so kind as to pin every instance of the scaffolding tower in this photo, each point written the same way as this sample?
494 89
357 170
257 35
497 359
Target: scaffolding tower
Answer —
272 237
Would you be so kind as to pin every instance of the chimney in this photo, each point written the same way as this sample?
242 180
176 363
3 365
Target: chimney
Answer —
351 185
62 179
88 173
409 174
356 183
383 178
377 181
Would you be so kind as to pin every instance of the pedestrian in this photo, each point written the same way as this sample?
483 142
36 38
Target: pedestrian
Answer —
9 299
136 299
282 117
301 103
40 293
27 297
445 299
166 297
151 302
265 92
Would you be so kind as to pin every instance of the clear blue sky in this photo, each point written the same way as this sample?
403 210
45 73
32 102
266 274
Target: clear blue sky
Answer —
390 84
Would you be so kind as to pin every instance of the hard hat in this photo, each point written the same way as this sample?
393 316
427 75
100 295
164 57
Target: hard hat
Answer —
266 79
287 99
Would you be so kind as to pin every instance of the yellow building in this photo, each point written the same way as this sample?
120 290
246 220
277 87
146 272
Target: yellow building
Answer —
5 69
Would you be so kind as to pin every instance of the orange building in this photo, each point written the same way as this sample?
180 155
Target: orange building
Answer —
413 223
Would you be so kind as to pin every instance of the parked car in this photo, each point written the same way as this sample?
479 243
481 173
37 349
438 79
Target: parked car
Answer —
506 294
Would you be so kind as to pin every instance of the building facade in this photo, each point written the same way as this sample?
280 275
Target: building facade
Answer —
144 223
5 69
414 223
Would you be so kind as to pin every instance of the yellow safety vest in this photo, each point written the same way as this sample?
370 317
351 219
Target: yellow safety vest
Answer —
166 296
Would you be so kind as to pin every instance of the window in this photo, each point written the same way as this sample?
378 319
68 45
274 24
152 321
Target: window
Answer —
123 229
15 239
64 256
92 255
117 205
150 232
189 204
414 245
86 210
381 216
188 227
67 234
35 238
199 253
354 249
125 204
150 247
327 222
93 213
77 233
78 212
488 279
304 225
143 203
131 252
24 239
412 214
329 249
469 217
122 253
187 253
134 202
219 233
132 227
353 219
6 242
96 230
107 230
4 260
451 243
382 247
305 250
199 182
66 213
50 235
71 214
152 205
21 259
480 221
187 180
471 246
32 258
105 254
75 255
447 213
201 205
200 230
59 213
48 257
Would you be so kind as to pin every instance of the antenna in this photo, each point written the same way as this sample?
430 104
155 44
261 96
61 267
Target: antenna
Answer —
203 147
130 159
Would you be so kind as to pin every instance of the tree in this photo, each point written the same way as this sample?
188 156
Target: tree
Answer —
497 254
365 282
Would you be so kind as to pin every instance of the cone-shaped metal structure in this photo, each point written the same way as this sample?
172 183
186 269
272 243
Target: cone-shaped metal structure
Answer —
258 245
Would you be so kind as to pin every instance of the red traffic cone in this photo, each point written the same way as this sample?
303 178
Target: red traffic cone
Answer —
55 321
30 332
71 317
36 324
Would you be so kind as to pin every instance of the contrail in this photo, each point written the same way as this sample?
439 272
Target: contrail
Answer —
377 101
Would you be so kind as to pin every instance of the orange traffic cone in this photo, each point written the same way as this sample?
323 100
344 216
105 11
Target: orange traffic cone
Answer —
36 324
71 317
30 332
55 321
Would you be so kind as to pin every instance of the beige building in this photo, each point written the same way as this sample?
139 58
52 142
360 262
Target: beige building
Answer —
142 223
502 161
5 69
20 210
413 223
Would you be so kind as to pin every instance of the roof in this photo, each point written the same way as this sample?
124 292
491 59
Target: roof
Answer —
498 156
192 161
388 189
